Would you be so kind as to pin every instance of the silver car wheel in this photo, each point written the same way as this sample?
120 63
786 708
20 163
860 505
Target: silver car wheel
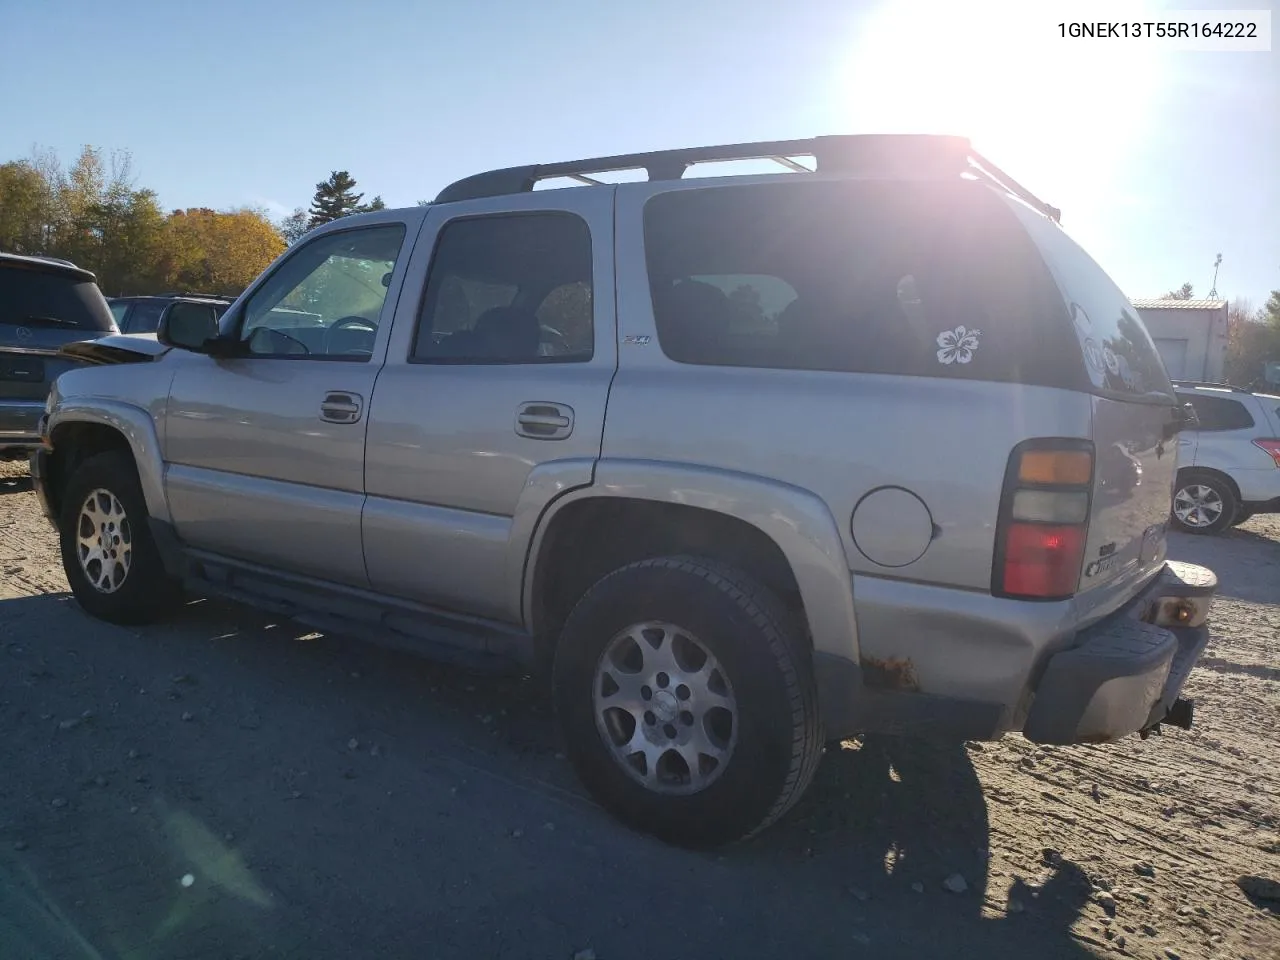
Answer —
104 541
1197 505
665 707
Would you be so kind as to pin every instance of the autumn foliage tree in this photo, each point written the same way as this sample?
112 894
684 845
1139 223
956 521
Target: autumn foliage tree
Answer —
95 216
214 251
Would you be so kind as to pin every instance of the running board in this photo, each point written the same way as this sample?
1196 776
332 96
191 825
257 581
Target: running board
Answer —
471 642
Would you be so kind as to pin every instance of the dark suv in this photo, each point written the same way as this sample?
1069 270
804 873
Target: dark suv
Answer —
44 303
142 314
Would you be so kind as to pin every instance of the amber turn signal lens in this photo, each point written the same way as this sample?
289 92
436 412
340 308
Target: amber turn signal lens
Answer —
1056 466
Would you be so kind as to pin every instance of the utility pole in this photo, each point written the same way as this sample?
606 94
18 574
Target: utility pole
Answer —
1213 287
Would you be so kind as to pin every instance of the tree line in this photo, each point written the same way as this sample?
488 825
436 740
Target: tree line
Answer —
94 214
1253 337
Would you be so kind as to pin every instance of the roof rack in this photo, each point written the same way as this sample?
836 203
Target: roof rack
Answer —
1209 383
860 153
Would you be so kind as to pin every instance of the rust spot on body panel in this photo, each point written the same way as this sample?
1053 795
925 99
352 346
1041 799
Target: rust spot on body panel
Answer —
890 673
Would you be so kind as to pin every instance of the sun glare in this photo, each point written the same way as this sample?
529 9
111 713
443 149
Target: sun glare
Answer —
1050 111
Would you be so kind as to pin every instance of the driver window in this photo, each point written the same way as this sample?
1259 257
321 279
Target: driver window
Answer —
326 299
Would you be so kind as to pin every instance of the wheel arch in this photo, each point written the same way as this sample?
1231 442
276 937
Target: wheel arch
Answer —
1221 475
783 535
80 428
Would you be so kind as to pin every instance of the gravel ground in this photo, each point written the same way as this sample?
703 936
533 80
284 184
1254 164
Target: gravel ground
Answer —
230 786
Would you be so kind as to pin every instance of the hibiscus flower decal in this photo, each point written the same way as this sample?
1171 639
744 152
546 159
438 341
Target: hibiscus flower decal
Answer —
958 345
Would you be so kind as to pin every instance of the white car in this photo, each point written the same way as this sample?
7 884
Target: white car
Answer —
1229 468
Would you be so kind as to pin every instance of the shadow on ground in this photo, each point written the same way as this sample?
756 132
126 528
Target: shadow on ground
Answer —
230 785
21 484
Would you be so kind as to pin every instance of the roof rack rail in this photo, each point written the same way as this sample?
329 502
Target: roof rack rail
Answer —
928 153
1210 383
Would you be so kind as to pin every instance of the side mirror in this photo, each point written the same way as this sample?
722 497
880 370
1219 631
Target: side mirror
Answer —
188 326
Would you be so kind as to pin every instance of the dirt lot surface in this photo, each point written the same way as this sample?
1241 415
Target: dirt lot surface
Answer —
231 786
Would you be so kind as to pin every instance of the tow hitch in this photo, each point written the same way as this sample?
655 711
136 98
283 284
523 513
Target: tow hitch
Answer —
1180 715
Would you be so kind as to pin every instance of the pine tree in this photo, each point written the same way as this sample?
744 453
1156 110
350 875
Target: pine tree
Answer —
334 198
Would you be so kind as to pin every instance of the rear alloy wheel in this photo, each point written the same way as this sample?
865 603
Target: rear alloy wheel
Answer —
108 553
687 701
1203 503
663 705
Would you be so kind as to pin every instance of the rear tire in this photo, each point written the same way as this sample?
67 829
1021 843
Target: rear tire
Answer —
109 556
1203 503
686 700
1242 516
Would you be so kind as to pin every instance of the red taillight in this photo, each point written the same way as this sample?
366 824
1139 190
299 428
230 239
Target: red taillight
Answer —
1042 560
1044 513
1270 446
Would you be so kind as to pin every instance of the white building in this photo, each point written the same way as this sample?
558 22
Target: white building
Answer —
1191 336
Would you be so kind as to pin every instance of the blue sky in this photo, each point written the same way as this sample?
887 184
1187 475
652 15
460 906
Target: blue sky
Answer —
1158 159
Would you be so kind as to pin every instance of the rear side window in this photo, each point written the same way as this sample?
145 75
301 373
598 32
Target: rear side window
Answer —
40 298
146 316
508 289
923 279
1219 413
1120 357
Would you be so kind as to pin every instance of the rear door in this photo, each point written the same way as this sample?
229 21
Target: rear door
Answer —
41 308
1134 431
493 394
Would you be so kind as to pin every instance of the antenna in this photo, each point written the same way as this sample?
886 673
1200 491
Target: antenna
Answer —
1213 287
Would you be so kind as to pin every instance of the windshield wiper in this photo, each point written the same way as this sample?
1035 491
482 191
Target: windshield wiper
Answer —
40 321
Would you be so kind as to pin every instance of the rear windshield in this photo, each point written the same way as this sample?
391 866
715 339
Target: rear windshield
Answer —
38 298
1120 357
914 278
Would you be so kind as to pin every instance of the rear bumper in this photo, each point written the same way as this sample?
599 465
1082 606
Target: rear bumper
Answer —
1125 674
959 665
20 424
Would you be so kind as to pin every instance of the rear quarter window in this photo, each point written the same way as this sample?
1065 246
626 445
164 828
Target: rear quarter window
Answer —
1120 357
918 279
1219 413
52 299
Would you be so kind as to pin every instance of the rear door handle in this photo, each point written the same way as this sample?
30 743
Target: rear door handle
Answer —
540 420
339 406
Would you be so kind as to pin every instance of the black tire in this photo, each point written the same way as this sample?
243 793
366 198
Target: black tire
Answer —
144 591
767 666
1242 516
1219 492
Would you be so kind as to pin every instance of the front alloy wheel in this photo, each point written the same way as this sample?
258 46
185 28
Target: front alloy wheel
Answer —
109 553
104 541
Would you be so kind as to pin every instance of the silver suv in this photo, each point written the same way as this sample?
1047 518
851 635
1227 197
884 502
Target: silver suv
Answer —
748 463
1229 465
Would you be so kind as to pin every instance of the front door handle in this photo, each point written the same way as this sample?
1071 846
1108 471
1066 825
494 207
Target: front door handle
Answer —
544 421
339 406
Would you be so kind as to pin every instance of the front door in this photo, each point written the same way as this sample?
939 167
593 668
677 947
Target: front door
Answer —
265 451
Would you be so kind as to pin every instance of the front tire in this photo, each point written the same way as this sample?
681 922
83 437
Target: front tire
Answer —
687 702
109 556
1203 503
